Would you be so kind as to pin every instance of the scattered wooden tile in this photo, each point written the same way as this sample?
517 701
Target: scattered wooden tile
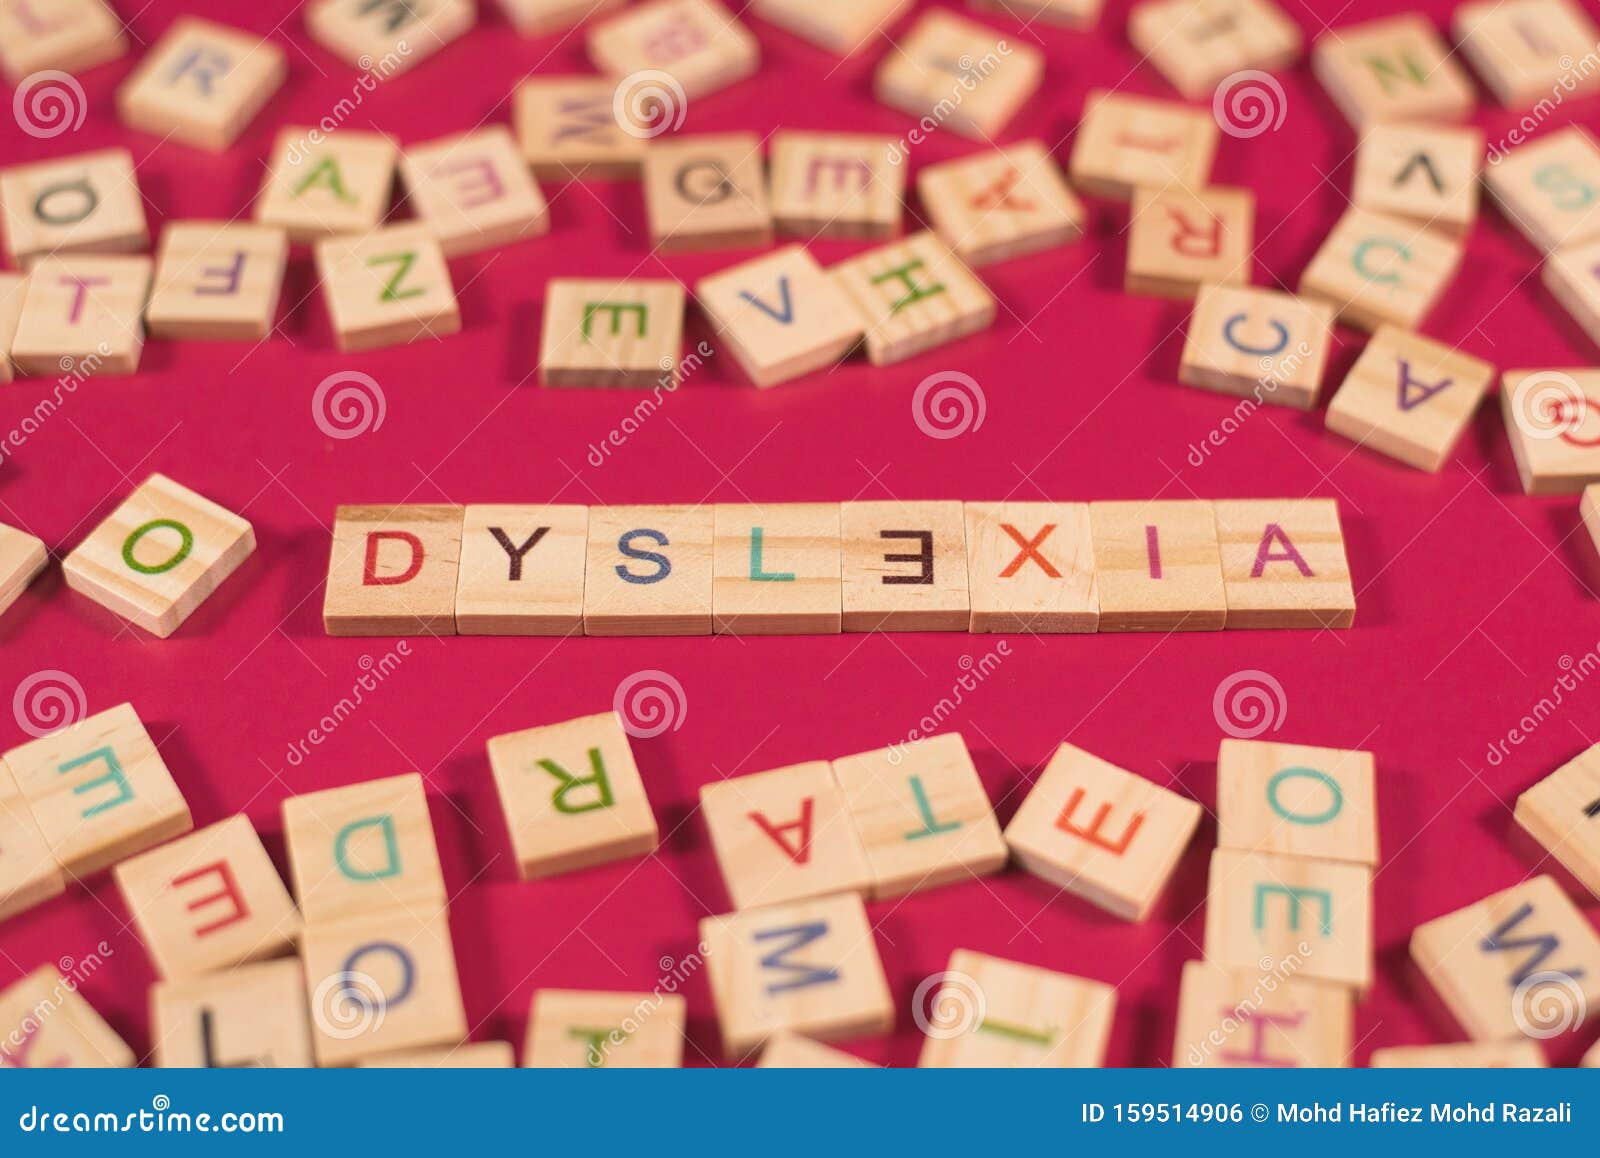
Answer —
1103 834
541 17
842 27
810 967
1297 801
1572 275
1552 420
393 570
99 791
648 571
1562 812
1290 914
1549 189
921 815
915 295
780 315
1374 269
384 37
387 288
962 74
844 185
74 1036
1196 44
13 291
567 126
1076 14
1522 962
790 1051
201 84
697 43
1589 509
23 558
610 333
1001 204
990 1012
1393 69
381 984
1180 239
784 835
82 316
1527 50
1409 397
250 1017
473 191
322 184
776 569
1261 344
1427 174
596 1029
1125 143
361 849
209 900
572 795
1030 567
159 555
29 875
1245 1019
477 1055
904 566
521 570
1487 1055
73 36
84 204
217 280
707 191
1591 1060
1158 566
1284 564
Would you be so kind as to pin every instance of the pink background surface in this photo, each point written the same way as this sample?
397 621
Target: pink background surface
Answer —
1472 596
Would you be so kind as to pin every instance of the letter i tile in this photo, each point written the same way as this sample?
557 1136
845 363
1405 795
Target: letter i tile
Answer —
1158 565
994 1013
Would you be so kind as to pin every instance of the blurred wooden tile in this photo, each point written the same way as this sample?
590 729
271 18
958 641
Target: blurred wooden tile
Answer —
572 795
597 1029
1552 420
1489 1055
74 1036
1589 511
648 571
1001 204
776 569
1101 833
159 555
387 288
1397 68
1522 962
844 185
542 17
217 280
841 26
1261 344
99 791
1427 174
706 191
201 83
366 848
1297 800
790 1051
994 1013
1376 269
567 126
250 1017
68 35
1180 239
697 43
967 77
1410 397
393 570
1196 44
323 184
1127 142
88 203
1077 14
780 315
1562 812
521 570
904 566
810 967
384 37
13 291
1245 1019
81 316
1312 918
1528 50
1549 188
1284 563
1591 1060
29 875
23 558
473 191
1158 566
915 295
1030 567
477 1055
610 333
1572 275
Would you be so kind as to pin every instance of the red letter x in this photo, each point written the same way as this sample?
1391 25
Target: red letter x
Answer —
998 194
1030 550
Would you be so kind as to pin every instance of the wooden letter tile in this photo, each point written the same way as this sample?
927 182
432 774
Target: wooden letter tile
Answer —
572 796
593 1029
776 569
1245 1019
159 555
29 875
567 126
1490 1055
1549 189
1257 343
1589 512
252 1017
88 203
914 295
993 1013
842 27
844 185
1106 835
1528 50
387 36
610 333
1031 568
1374 268
1001 204
1158 566
707 192
1394 69
323 184
1283 563
648 571
1562 812
905 566
790 1051
477 1055
811 968
217 280
784 835
1427 174
201 84
521 570
697 43
73 1036
387 287
960 73
13 291
1196 44
1078 14
1552 419
1572 275
1297 801
82 316
393 571
99 791
1180 239
473 191
69 35
23 558
1129 142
